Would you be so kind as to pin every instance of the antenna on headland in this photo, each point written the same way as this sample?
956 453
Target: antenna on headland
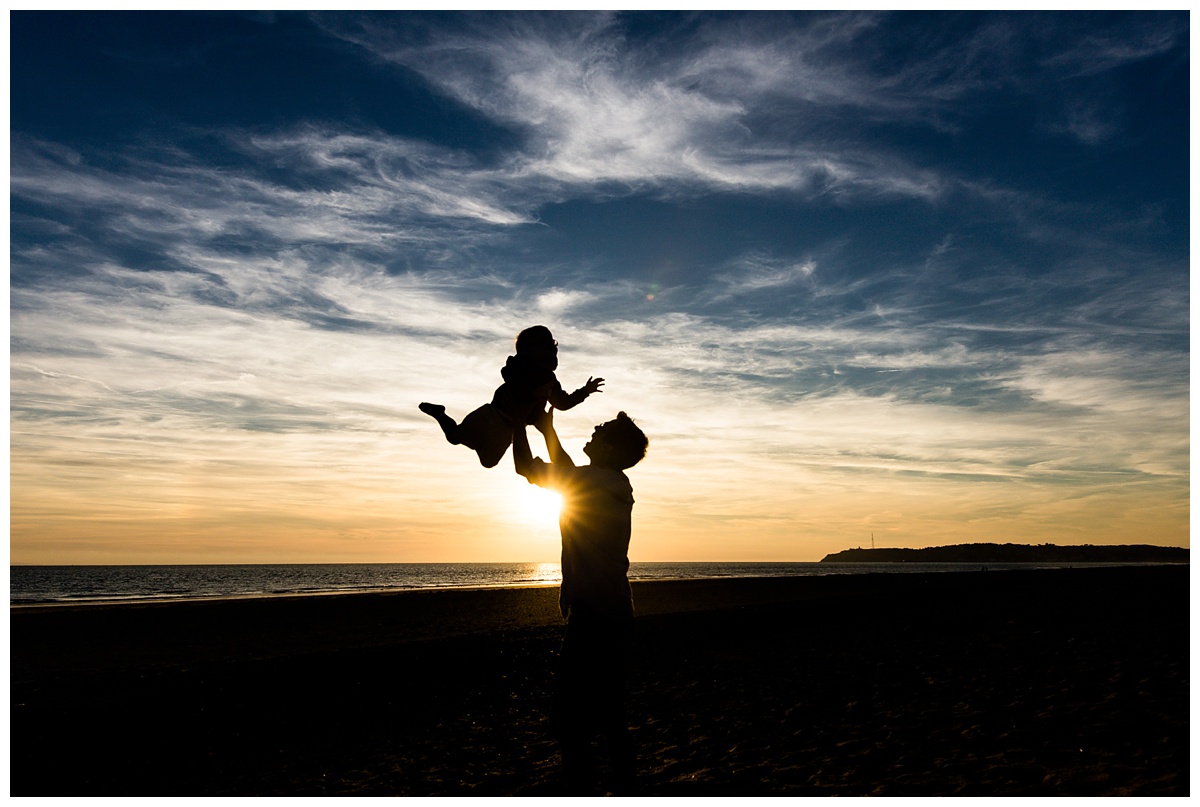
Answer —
872 540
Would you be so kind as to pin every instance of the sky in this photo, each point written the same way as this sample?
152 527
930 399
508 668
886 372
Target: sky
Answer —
906 278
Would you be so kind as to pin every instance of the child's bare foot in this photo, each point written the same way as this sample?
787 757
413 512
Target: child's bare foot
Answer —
448 424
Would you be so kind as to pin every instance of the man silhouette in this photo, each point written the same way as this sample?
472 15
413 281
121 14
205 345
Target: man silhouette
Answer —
595 597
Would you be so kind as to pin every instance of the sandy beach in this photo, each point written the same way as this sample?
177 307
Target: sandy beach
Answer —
1064 682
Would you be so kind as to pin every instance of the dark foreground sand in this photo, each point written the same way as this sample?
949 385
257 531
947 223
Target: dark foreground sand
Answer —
1071 682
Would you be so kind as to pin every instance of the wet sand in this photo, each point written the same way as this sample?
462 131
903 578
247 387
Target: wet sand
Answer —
1066 682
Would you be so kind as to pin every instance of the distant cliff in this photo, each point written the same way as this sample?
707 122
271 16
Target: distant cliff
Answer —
1015 553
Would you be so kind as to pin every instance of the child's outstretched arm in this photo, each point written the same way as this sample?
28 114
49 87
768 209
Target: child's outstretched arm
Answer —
561 400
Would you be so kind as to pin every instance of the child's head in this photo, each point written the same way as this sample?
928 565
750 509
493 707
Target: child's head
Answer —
538 344
536 338
617 444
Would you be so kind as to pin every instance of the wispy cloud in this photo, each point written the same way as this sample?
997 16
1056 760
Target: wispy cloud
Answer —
593 108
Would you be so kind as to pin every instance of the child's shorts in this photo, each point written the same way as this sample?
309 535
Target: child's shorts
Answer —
488 432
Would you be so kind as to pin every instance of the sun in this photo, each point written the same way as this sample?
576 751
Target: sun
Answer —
538 505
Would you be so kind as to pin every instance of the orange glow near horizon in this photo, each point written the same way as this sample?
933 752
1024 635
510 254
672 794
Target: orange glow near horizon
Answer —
278 499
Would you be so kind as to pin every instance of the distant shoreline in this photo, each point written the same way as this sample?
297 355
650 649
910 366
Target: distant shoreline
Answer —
1015 553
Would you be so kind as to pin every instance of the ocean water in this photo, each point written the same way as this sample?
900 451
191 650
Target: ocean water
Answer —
34 585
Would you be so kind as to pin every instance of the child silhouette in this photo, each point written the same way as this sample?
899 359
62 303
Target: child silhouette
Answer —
529 384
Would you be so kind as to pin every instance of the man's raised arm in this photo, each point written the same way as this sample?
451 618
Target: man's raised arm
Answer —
522 456
545 424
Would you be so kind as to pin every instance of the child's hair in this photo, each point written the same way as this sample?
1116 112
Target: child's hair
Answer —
535 337
627 442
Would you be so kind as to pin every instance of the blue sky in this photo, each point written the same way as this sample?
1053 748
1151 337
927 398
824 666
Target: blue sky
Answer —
922 276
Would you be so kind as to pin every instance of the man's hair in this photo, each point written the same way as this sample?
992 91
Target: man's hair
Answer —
535 336
627 442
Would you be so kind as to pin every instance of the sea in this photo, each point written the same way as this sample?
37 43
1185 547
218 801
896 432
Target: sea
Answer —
42 585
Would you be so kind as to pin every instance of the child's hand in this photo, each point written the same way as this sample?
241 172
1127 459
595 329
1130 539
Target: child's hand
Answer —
593 385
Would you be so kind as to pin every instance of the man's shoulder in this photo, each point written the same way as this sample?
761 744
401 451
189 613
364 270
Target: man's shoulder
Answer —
607 479
590 475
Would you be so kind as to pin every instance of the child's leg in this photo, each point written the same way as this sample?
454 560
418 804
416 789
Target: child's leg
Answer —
449 427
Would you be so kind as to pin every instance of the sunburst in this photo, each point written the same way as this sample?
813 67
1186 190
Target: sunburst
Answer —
538 505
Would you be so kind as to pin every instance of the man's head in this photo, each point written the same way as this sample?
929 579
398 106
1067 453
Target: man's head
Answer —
617 444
